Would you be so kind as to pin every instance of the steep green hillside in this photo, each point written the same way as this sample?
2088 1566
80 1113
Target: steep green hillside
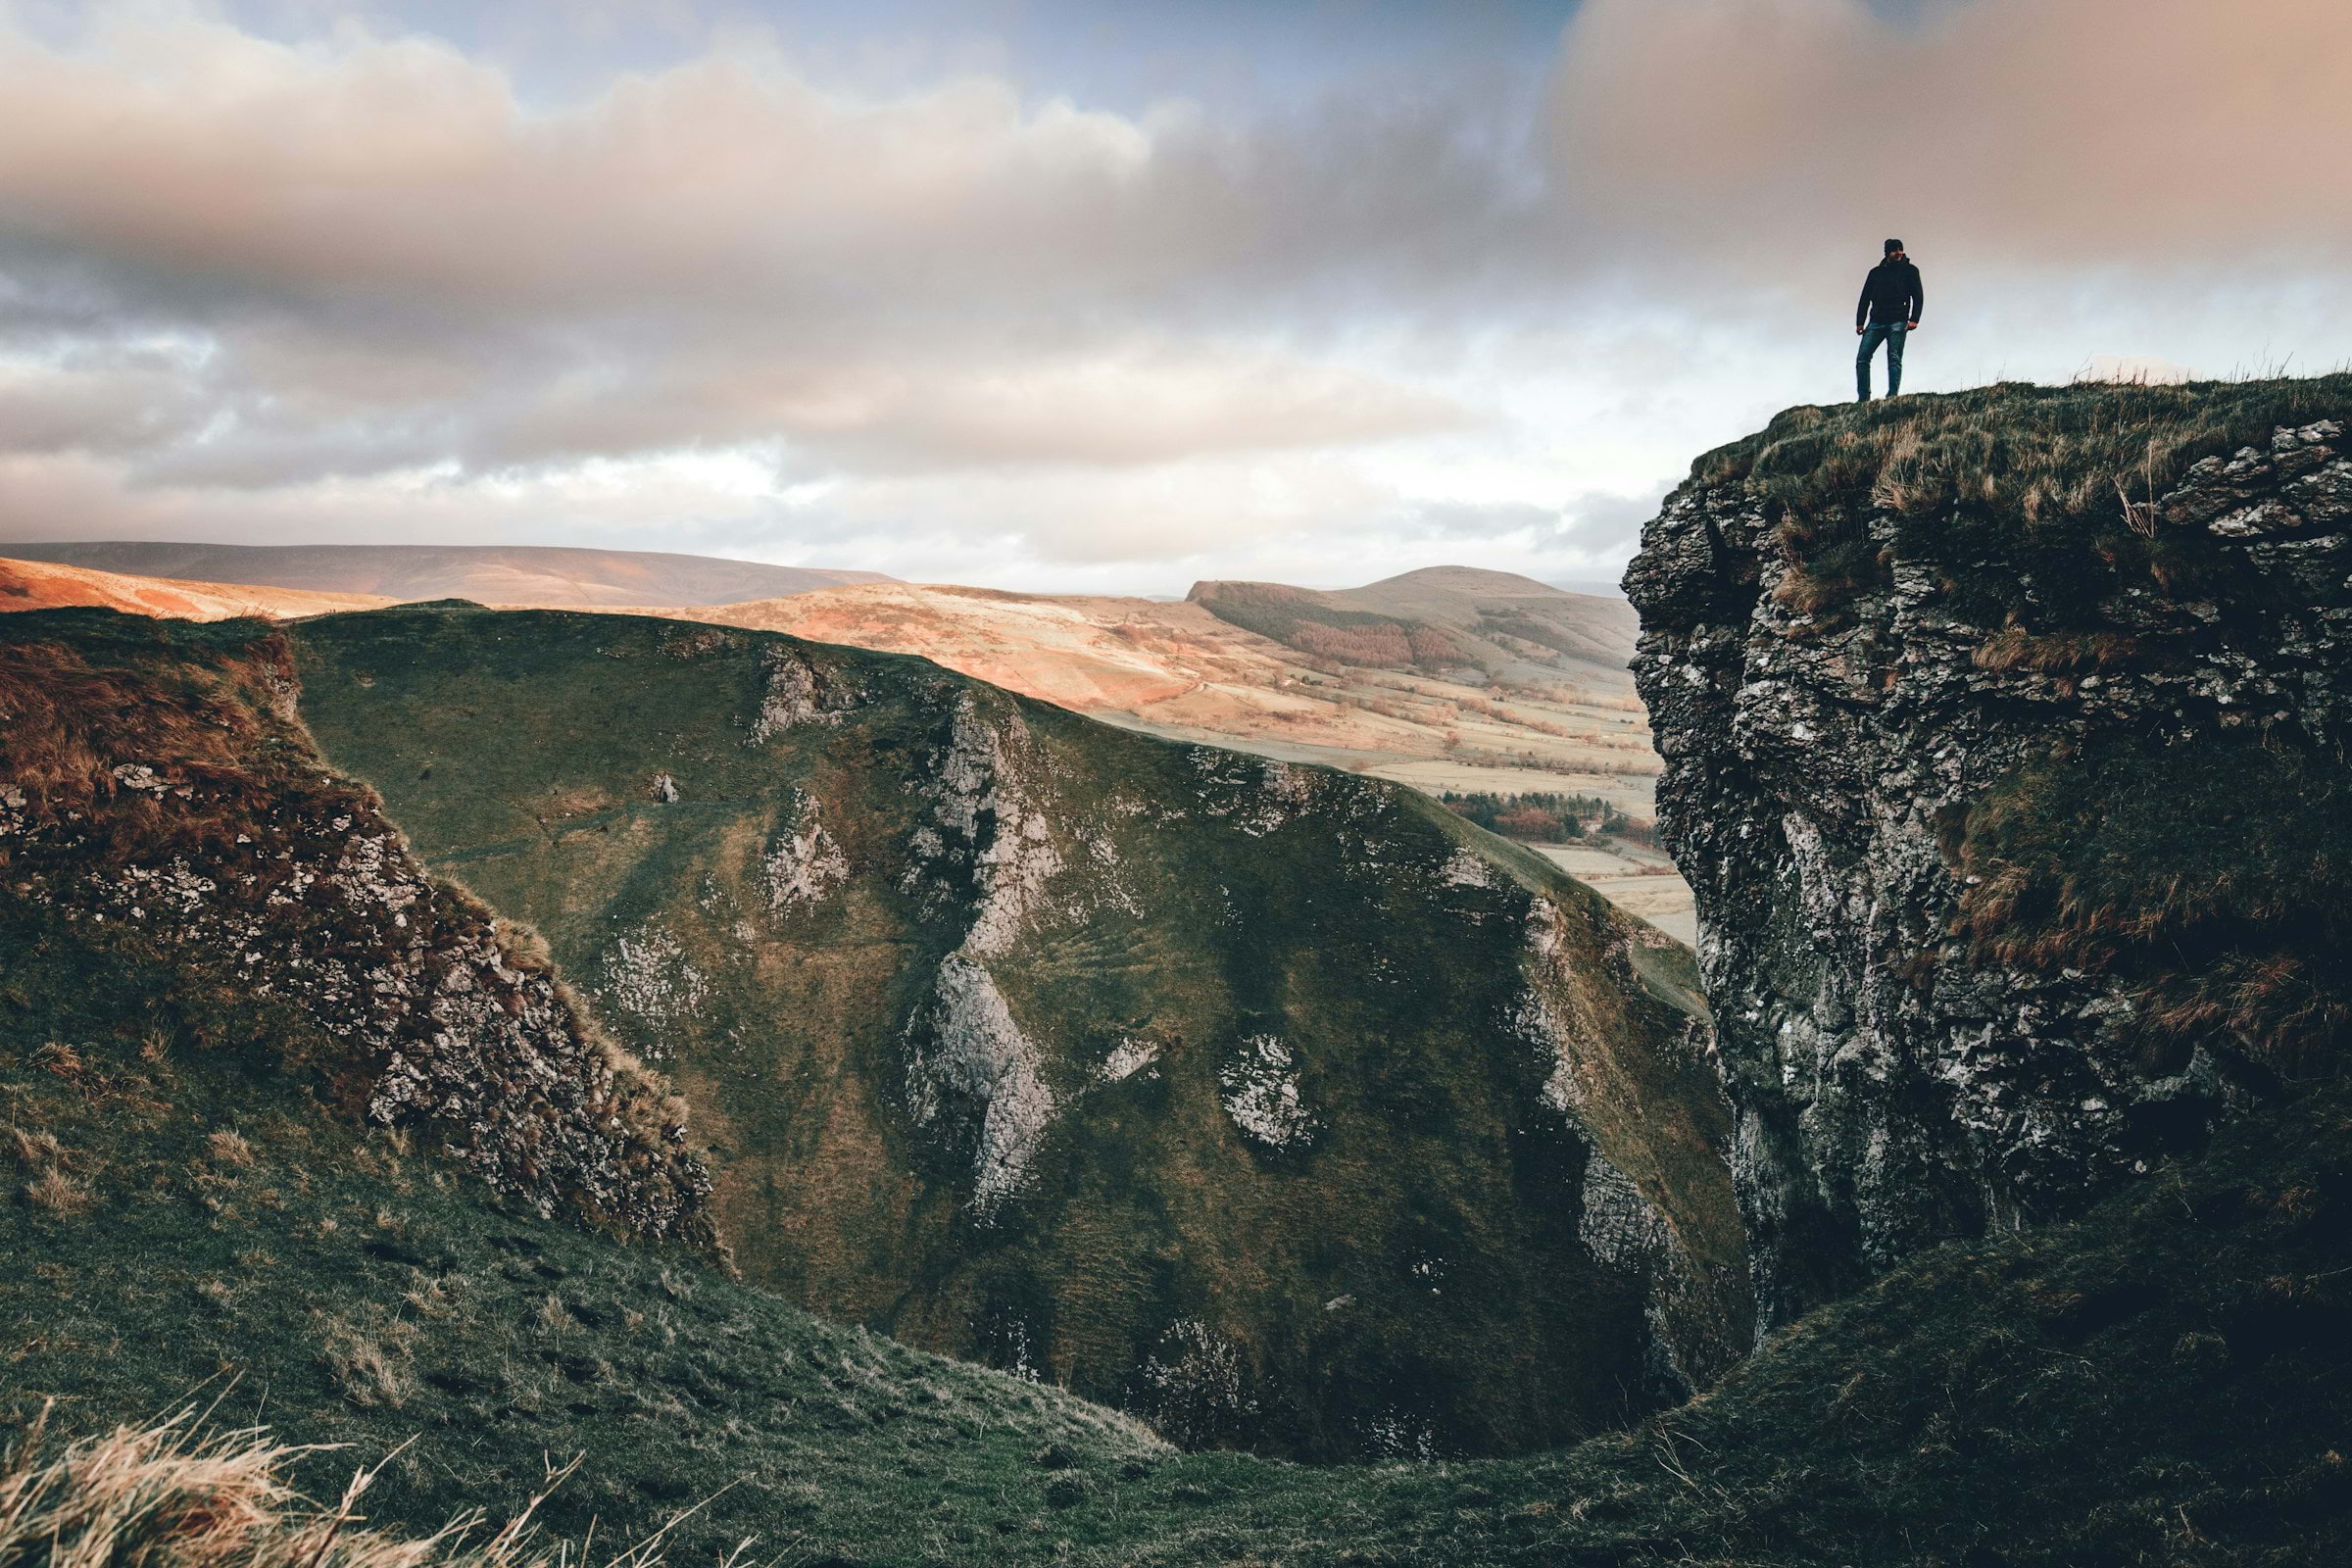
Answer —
1273 1104
158 803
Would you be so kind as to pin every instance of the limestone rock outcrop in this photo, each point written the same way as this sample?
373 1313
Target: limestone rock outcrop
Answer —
2002 767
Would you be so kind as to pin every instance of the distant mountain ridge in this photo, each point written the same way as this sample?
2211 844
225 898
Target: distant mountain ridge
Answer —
1442 618
504 574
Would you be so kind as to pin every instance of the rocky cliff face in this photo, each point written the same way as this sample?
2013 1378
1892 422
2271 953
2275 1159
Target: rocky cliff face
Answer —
1275 1103
2004 741
159 810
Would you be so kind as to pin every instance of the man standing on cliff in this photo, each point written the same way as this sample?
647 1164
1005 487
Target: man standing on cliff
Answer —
1888 311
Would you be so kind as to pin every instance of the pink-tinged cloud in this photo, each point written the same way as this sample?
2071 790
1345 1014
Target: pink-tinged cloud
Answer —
387 259
2058 133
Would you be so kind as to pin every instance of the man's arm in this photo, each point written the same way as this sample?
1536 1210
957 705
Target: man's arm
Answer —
1919 296
1862 306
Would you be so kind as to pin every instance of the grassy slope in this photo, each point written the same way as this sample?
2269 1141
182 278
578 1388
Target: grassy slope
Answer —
223 1235
155 795
2168 1381
1438 1204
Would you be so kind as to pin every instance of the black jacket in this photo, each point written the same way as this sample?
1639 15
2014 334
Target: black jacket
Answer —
1890 294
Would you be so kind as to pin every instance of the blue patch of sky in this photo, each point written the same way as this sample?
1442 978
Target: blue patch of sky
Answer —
1118 55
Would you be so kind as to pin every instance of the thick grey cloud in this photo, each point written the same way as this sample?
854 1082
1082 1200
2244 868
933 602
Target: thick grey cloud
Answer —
380 236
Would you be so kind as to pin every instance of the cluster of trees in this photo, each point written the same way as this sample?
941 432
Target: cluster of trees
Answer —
1638 767
1529 628
1547 819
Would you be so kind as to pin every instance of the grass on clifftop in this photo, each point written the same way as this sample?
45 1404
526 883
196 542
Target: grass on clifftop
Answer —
2007 482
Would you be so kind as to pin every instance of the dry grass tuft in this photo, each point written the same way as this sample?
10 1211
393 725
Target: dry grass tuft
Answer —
2056 653
520 947
229 1148
166 1496
58 1193
369 1367
2045 453
70 723
33 1150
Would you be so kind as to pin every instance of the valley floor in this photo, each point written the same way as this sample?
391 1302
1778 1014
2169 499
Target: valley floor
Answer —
1638 880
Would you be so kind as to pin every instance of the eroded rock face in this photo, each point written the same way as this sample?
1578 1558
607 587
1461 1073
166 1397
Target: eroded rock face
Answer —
155 801
1895 1082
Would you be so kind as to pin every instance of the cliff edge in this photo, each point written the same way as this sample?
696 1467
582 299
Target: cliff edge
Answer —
2004 750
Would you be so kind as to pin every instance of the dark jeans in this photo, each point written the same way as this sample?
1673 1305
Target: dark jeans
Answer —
1891 335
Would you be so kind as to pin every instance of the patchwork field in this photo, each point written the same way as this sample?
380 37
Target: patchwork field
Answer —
1638 879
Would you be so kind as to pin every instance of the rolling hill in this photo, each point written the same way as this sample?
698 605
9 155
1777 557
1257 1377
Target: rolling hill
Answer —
46 585
1444 619
1177 669
523 574
1172 667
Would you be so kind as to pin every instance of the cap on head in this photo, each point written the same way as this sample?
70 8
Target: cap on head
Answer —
1892 245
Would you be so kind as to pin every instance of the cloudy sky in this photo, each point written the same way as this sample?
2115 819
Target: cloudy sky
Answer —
1096 294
